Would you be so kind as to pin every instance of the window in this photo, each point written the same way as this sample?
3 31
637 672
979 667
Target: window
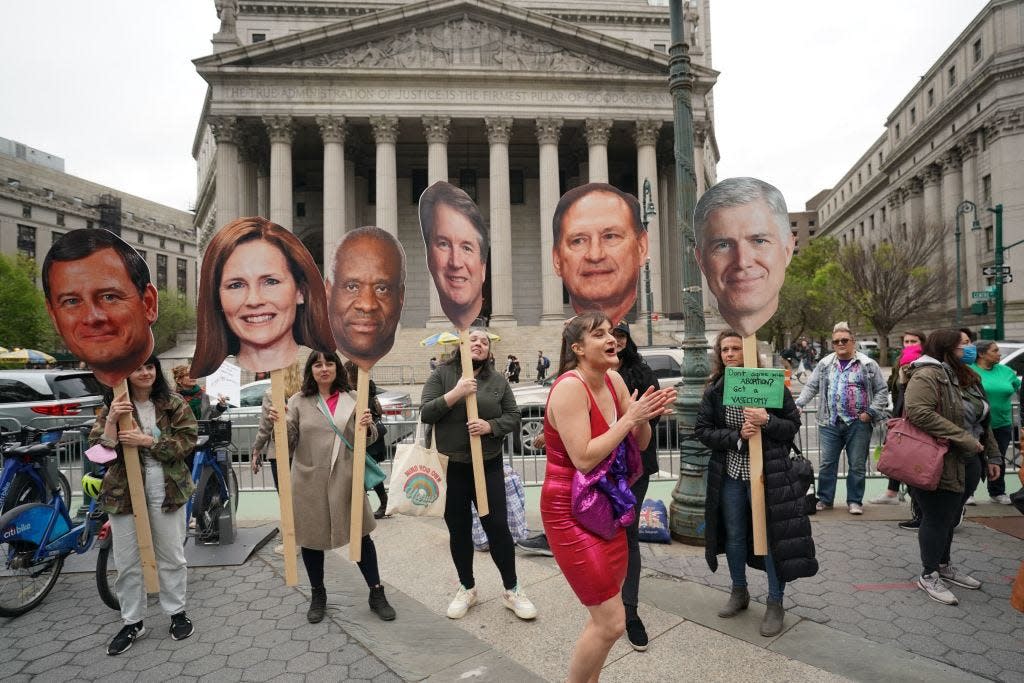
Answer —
842 195
913 115
163 242
989 241
869 169
26 211
259 37
181 247
883 214
88 225
897 131
467 181
792 224
300 209
140 238
871 222
161 271
54 236
951 76
419 183
977 50
810 223
142 253
811 233
182 275
663 365
516 190
862 228
13 391
931 97
60 218
27 241
660 47
986 190
859 183
879 159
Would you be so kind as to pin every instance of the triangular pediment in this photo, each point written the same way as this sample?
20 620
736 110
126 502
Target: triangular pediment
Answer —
485 35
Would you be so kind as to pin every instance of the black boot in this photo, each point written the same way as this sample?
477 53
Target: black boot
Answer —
771 625
739 598
317 606
382 511
379 604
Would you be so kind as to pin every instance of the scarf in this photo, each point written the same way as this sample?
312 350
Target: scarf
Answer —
194 396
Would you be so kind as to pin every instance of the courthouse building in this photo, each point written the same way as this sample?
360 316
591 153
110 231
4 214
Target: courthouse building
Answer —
957 135
326 115
39 202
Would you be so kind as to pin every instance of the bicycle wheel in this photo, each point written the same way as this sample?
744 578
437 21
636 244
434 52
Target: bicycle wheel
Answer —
24 584
208 504
106 574
233 488
24 490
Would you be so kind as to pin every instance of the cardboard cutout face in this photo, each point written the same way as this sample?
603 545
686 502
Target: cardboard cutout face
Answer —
101 301
599 246
259 299
745 246
366 292
456 244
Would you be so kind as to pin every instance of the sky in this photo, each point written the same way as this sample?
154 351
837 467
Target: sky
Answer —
805 85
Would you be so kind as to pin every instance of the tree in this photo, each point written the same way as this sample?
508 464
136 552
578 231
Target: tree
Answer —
23 319
888 281
811 299
175 315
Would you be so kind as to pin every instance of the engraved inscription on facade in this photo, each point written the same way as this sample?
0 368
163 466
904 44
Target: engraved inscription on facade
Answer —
463 42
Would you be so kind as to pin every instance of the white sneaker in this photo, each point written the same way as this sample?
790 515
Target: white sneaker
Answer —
517 601
1002 499
950 574
971 501
464 599
855 509
935 587
886 499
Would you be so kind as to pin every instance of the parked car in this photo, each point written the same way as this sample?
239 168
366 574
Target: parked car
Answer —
397 407
44 397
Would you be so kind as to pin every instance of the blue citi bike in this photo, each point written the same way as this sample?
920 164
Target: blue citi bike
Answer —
29 456
210 511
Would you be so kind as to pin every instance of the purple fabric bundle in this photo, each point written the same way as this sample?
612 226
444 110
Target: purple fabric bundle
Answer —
602 501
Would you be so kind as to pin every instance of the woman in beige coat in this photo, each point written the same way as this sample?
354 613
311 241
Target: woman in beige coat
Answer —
321 428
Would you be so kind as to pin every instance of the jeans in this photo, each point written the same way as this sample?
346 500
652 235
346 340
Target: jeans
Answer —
855 438
168 531
997 486
631 586
736 519
940 513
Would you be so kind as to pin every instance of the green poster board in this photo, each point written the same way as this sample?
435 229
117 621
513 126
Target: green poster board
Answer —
754 387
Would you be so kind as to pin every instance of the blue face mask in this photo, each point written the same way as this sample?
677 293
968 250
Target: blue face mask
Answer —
970 354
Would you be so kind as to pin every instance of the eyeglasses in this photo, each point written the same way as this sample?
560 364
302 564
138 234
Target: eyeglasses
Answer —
845 340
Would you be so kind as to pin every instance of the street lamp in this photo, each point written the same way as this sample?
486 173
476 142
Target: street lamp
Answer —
966 206
647 209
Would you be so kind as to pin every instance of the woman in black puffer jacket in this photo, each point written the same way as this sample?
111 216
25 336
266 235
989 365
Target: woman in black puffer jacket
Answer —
725 431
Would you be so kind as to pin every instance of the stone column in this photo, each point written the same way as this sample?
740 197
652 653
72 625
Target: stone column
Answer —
437 130
597 132
385 132
973 240
646 136
332 132
225 133
548 131
281 131
932 198
913 206
248 165
498 130
952 187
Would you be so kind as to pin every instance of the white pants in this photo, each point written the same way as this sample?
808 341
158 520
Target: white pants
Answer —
168 529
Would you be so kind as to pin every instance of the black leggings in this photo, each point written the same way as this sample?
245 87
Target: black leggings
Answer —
314 561
940 513
631 586
459 518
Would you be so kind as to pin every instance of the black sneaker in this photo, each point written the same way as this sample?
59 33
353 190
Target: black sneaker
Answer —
379 604
125 637
181 626
536 544
636 633
910 524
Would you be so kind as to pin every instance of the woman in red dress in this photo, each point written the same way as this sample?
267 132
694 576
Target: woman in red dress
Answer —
589 413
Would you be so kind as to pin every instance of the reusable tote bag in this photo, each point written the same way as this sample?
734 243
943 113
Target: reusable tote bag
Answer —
418 486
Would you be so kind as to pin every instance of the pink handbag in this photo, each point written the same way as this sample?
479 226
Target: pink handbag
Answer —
912 456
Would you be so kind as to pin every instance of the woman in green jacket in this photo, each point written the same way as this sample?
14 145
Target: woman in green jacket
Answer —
944 398
444 407
1001 384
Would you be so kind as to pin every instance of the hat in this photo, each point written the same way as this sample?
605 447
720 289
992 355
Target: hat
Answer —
622 327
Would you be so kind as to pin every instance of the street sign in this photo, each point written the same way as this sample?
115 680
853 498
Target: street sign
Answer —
995 270
983 295
1007 279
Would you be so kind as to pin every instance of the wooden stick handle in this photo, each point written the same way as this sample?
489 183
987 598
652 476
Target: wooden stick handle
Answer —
140 509
754 448
472 413
355 531
284 478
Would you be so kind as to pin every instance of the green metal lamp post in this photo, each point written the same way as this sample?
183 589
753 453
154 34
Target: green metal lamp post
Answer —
647 209
966 206
687 510
1000 250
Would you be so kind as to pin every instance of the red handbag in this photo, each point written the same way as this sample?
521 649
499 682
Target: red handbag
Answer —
912 455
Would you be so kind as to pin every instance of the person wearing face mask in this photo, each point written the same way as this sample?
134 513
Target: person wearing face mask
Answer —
444 409
1001 384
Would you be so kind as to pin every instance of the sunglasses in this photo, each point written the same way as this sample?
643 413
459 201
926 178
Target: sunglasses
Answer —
845 340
